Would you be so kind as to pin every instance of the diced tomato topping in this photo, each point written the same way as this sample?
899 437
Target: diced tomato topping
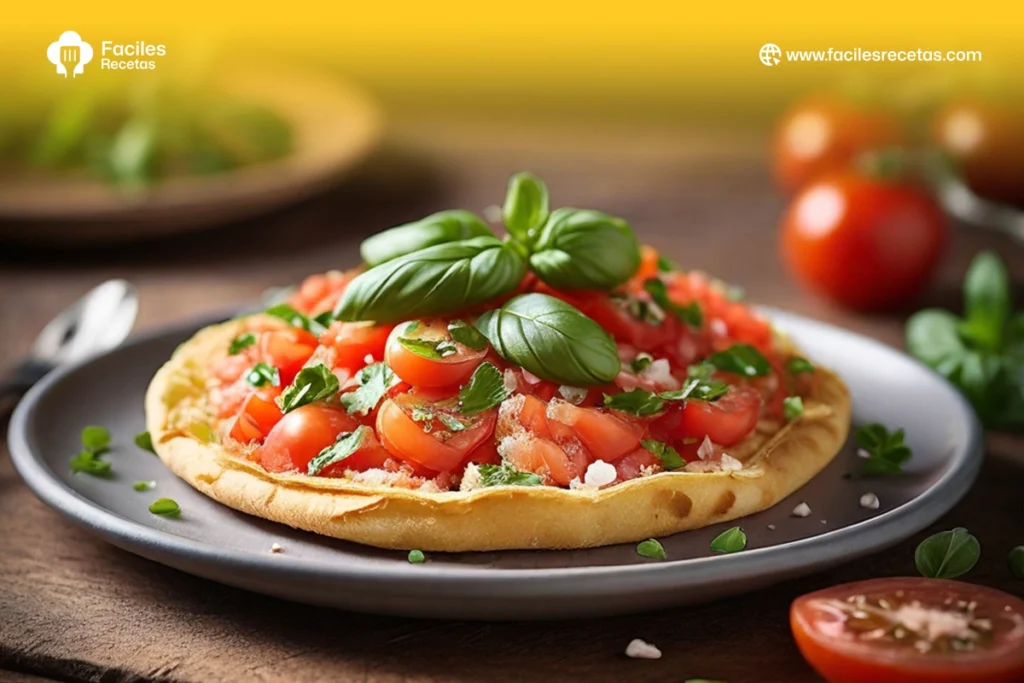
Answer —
352 343
287 350
632 464
726 421
320 293
606 435
258 416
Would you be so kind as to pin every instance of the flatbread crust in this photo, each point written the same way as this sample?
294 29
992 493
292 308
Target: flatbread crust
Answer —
493 518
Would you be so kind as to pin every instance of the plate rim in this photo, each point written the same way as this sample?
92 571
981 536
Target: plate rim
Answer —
828 548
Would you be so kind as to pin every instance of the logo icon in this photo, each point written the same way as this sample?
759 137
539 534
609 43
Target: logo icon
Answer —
69 54
770 54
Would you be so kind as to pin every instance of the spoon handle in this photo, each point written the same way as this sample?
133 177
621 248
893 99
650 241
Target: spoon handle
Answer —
18 381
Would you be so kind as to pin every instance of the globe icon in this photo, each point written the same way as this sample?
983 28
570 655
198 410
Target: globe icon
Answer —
770 54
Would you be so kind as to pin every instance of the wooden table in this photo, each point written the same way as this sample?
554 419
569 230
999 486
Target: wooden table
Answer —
73 608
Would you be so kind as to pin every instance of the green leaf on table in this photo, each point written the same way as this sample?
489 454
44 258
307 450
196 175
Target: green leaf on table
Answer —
165 507
144 440
374 381
96 439
144 485
886 452
346 444
88 462
670 458
416 557
652 549
313 383
730 541
948 554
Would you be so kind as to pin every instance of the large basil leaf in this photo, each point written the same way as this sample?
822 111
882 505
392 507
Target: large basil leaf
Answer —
438 228
440 279
551 339
526 205
584 249
987 302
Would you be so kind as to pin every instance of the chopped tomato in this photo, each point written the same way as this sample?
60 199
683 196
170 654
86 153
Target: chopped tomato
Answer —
485 454
450 364
632 464
607 436
726 321
354 342
911 630
287 350
258 415
440 449
304 432
726 421
648 263
319 293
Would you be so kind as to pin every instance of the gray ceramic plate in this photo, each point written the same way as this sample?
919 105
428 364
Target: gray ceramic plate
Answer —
220 544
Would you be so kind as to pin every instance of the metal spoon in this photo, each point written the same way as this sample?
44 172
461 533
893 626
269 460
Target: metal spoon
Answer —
97 322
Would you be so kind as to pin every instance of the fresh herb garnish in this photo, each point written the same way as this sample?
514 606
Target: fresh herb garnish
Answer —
165 507
741 359
417 557
526 206
263 374
982 354
651 549
485 389
506 475
641 362
670 458
797 365
144 485
584 249
691 314
792 407
948 554
730 541
1016 561
96 439
467 335
666 265
374 382
434 349
144 440
451 423
697 389
885 450
643 403
295 318
438 228
345 445
241 342
313 383
551 339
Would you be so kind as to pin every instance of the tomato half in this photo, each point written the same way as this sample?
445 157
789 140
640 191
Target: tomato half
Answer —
824 134
863 242
354 342
304 432
911 630
437 450
726 421
454 366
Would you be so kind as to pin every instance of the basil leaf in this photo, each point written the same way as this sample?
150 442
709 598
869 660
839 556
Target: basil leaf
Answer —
635 402
165 507
987 304
241 342
374 382
551 339
670 458
792 407
697 389
89 462
313 383
526 205
144 485
797 365
741 359
886 451
730 541
417 557
932 337
96 439
1016 560
485 389
433 281
506 475
144 440
467 335
263 374
691 314
584 249
947 554
651 549
434 349
345 445
295 318
438 228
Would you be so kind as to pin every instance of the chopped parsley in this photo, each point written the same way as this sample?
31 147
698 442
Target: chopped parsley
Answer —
643 403
885 450
691 314
241 342
346 444
670 458
144 485
467 335
730 541
797 365
313 383
144 440
417 557
641 362
485 389
263 374
651 549
95 442
792 407
96 439
506 475
165 507
741 359
434 349
374 382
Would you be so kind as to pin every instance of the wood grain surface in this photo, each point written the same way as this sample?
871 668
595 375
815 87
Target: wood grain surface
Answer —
73 608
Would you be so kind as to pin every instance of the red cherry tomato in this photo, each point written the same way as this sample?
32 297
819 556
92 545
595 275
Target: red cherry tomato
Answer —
440 449
911 630
986 141
304 432
287 350
454 368
824 134
353 342
862 242
726 421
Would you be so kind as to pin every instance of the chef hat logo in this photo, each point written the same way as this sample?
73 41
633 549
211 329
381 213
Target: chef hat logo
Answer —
69 51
